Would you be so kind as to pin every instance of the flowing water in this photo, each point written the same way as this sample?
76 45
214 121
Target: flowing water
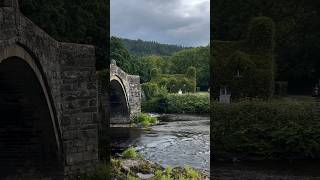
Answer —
185 140
178 140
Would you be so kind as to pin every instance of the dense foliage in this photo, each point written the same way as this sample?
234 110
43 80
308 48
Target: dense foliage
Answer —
73 21
175 82
297 36
177 63
266 130
142 48
144 120
246 67
197 57
175 103
122 56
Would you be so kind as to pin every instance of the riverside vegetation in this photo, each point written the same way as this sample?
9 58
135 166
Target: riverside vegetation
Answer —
130 165
266 130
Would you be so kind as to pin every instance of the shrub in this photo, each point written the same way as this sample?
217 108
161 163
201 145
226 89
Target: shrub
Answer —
187 173
175 82
266 130
187 103
191 72
130 153
154 73
178 103
150 89
191 173
144 119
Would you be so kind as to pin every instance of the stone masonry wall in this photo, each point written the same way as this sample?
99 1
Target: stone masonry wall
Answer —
69 74
132 87
134 95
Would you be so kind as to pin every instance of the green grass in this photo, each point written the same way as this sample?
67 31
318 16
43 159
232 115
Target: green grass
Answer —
191 173
187 173
130 153
144 120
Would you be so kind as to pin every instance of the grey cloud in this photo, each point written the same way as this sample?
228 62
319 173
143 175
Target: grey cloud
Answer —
183 22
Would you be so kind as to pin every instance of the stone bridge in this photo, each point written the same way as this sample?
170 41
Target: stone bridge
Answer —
48 101
125 95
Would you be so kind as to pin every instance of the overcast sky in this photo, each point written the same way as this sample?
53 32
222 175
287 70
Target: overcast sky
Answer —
182 22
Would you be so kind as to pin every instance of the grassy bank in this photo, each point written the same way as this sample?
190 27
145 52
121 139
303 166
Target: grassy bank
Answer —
266 130
178 103
130 165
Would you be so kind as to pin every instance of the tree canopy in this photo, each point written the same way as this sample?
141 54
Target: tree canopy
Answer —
73 21
297 34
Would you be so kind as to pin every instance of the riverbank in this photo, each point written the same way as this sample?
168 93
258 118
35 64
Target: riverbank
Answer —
140 168
177 140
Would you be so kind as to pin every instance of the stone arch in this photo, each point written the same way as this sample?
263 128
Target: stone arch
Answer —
14 57
120 108
130 85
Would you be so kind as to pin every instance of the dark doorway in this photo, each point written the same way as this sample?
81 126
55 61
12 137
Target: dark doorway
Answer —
28 146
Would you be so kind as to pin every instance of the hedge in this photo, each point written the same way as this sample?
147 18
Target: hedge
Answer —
175 103
150 89
266 130
174 82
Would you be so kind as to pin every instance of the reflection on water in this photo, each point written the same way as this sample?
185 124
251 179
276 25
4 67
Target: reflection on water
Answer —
184 141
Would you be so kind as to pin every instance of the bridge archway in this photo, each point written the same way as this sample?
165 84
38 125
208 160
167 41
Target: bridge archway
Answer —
125 95
120 110
64 97
29 138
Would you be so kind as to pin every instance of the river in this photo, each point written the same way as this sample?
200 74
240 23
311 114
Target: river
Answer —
178 140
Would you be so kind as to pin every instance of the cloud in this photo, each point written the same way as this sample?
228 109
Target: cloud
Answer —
183 22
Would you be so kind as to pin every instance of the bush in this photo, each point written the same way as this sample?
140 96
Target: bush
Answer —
177 103
150 89
144 119
130 153
266 130
187 173
191 72
187 103
191 173
175 82
154 73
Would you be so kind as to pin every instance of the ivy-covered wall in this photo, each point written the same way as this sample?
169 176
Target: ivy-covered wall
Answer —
246 67
171 82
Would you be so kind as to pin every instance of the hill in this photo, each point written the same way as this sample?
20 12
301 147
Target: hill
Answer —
142 48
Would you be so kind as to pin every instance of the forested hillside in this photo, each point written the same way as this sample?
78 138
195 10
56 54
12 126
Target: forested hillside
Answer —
141 48
73 21
177 63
